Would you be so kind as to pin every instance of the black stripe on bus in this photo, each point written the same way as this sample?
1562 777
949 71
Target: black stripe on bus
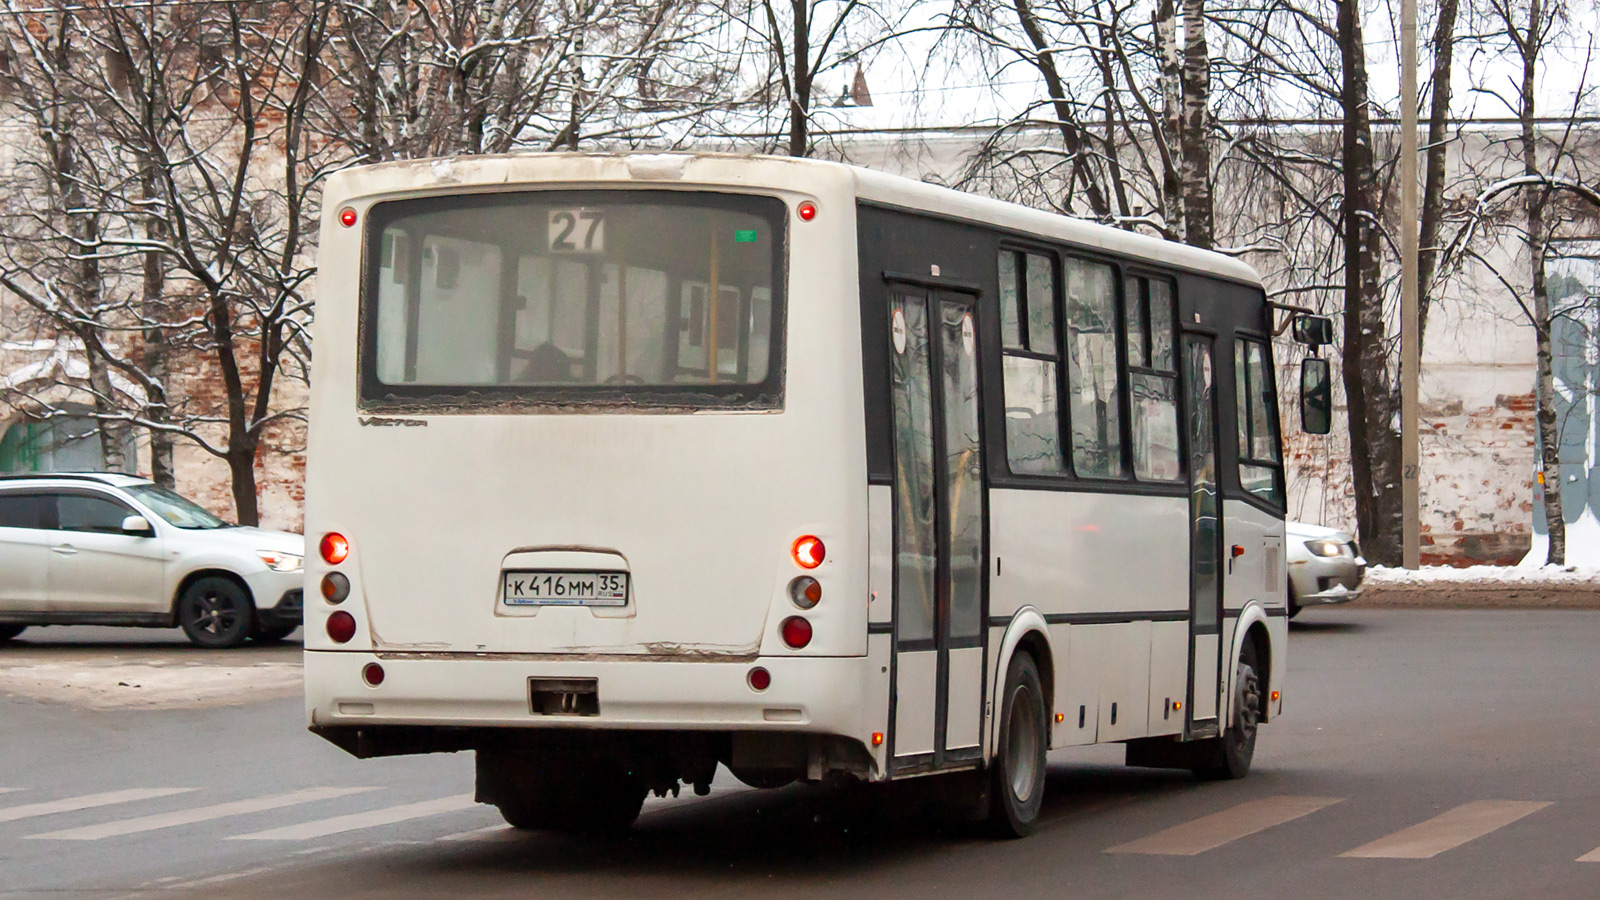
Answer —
1108 618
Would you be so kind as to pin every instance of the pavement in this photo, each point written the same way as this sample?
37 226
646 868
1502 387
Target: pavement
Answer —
1421 754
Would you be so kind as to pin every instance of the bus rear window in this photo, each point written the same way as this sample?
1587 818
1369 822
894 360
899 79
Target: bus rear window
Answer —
573 297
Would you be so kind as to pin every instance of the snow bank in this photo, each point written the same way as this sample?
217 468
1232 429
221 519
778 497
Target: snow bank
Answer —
1484 576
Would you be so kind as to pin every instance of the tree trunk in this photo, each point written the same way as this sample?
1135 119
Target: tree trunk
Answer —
1170 79
1371 406
1534 200
154 351
800 91
1195 168
1444 39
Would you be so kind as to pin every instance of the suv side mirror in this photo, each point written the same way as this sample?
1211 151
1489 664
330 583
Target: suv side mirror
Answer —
1316 396
138 526
1313 331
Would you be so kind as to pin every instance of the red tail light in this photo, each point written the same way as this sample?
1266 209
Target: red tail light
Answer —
806 210
347 217
796 632
341 627
808 551
760 679
372 674
335 548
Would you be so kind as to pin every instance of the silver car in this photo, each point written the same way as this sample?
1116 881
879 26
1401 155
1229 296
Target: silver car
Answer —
1325 566
104 549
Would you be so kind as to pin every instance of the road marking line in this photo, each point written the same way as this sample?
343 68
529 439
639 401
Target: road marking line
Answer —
1448 830
1210 832
197 814
1591 856
357 821
87 801
486 833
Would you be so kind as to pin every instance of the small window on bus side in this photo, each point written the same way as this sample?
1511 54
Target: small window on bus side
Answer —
1152 379
1093 378
1030 363
1260 466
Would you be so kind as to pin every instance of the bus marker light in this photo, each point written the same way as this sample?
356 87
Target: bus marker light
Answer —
806 210
760 679
335 548
1177 705
808 551
341 627
335 587
347 217
805 591
1060 717
372 674
877 738
796 632
1274 696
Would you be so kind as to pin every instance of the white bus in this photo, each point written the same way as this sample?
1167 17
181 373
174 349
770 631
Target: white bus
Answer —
625 466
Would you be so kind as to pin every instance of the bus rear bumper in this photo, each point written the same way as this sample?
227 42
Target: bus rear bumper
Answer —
822 695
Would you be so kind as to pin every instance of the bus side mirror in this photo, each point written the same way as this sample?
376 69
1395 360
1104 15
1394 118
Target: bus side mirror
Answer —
1313 331
1316 396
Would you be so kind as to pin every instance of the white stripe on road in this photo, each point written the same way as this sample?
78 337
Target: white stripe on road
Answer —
1591 856
198 814
87 801
486 833
1448 830
356 821
1210 832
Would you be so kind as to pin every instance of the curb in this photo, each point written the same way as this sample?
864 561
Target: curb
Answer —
1479 596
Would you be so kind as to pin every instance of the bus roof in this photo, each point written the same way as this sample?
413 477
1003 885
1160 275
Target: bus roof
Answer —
506 170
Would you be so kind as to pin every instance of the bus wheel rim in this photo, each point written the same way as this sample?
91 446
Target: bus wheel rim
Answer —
1022 742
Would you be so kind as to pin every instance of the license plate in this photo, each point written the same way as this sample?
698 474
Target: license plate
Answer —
530 588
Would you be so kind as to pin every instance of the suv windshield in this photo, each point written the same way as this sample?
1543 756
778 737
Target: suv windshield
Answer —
654 298
177 510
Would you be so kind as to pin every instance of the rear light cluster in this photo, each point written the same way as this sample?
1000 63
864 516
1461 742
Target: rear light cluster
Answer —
805 592
335 549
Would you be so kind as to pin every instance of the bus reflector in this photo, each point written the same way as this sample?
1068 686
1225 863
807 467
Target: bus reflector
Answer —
372 674
808 551
796 632
335 548
341 627
805 591
760 679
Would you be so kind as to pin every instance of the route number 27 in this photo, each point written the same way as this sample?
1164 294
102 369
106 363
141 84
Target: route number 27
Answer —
577 231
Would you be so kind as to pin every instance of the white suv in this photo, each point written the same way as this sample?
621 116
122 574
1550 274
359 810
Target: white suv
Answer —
105 549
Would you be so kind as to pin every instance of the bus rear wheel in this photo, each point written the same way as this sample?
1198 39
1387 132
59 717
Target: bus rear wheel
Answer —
1016 789
593 798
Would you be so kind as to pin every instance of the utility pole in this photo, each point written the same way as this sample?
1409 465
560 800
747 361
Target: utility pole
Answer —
1410 345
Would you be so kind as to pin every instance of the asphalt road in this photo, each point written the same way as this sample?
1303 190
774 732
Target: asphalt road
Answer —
1447 754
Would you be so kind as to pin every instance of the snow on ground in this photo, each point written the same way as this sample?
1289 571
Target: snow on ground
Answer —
118 685
1484 576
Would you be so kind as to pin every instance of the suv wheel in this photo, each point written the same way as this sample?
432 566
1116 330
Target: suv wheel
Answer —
215 612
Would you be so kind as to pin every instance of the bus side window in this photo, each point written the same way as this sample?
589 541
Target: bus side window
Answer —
1152 379
1260 466
1030 362
1092 374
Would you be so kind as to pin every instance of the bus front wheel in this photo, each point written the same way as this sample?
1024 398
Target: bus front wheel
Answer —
1237 746
1016 788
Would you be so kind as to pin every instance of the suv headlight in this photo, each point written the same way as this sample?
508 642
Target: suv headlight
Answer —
1324 547
278 561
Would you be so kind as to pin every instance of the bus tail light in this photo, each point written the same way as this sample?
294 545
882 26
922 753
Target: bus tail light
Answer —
760 679
335 548
335 587
341 627
806 210
796 632
372 674
805 591
347 217
808 551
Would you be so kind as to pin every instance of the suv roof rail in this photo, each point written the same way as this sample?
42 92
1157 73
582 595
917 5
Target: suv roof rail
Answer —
101 477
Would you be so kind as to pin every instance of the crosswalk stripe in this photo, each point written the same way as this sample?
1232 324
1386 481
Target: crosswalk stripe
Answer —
486 833
357 821
1210 832
1591 856
197 814
1447 830
87 801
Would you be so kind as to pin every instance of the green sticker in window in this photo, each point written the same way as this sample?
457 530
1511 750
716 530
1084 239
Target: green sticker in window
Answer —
745 236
